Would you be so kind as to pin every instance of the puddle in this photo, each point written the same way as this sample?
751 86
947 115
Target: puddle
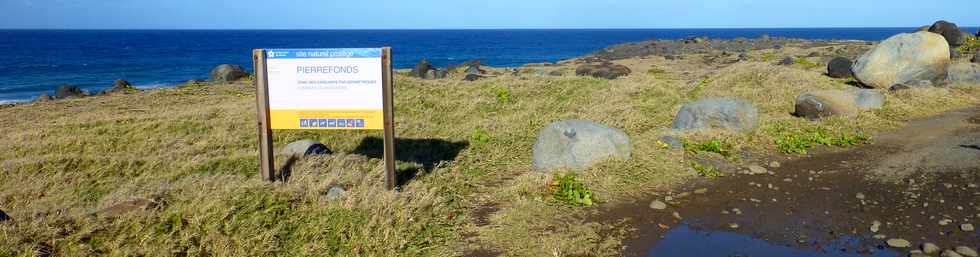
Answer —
683 241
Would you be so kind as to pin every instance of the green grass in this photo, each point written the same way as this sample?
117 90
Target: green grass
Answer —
706 171
656 72
194 148
799 141
970 47
569 190
806 63
710 146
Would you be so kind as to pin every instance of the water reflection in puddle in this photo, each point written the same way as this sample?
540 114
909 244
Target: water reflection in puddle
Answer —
682 241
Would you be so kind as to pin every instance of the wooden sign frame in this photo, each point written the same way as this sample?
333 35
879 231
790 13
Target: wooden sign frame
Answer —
263 118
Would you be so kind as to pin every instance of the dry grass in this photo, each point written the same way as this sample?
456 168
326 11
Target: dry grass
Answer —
194 149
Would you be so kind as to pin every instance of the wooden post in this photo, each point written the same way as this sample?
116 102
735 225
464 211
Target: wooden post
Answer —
389 119
266 161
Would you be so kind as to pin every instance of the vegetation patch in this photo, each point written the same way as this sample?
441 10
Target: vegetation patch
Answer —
799 141
480 136
503 95
971 46
805 63
569 190
706 170
710 146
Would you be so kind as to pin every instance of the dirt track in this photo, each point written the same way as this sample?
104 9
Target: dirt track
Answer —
910 180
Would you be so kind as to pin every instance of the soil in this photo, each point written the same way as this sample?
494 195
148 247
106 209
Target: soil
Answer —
909 180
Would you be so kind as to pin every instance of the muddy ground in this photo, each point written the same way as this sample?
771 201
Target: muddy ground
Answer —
920 182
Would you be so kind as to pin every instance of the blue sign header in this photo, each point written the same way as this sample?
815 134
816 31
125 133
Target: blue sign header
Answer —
323 53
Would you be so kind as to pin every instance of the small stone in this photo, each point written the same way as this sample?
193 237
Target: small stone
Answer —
658 205
757 170
950 253
930 248
701 191
966 251
875 226
944 222
898 243
733 225
336 192
774 164
737 211
879 236
669 198
677 215
859 196
966 227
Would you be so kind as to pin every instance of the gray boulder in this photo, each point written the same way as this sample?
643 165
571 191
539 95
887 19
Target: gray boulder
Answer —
963 73
717 113
336 192
68 91
473 77
474 69
225 73
789 60
825 103
421 68
839 67
903 57
304 148
577 145
949 31
606 70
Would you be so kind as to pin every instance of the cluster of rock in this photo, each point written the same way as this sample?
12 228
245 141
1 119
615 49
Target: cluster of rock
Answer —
223 73
911 60
472 70
605 69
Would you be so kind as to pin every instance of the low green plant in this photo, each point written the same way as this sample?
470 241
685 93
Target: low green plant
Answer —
806 63
698 88
710 146
971 45
656 71
503 95
569 190
706 170
768 56
800 141
480 136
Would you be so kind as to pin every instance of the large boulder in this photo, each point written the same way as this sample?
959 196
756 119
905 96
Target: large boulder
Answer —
826 103
225 73
903 57
421 68
949 31
963 73
304 148
68 91
577 144
839 67
606 70
717 113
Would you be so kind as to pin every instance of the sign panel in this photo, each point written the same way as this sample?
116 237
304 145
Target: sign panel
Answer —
325 88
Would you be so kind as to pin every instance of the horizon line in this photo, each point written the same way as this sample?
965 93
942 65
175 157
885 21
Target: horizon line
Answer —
486 28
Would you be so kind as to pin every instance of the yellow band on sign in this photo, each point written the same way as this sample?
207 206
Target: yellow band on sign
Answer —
327 119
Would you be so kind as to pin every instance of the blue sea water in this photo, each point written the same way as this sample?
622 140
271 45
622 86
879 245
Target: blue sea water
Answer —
36 61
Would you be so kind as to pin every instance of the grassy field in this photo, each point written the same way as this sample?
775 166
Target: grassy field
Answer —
465 145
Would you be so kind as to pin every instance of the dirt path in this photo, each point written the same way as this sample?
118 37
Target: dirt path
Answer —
912 180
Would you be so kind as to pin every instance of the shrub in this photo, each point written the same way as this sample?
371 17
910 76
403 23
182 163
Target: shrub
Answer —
480 136
970 47
503 95
569 190
806 63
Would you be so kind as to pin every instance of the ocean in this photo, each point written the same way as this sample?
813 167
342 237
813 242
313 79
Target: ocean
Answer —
36 61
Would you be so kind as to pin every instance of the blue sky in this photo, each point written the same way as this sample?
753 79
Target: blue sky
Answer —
430 14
